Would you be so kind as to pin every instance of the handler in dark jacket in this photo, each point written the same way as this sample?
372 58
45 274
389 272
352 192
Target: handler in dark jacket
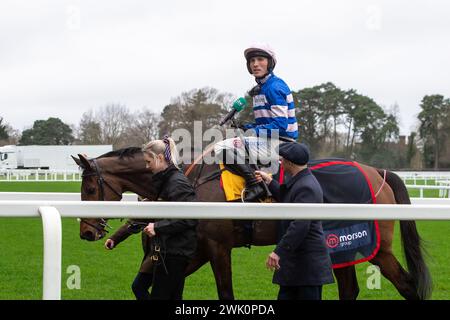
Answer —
168 244
300 260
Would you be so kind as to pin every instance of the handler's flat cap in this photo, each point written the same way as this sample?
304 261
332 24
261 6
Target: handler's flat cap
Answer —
297 153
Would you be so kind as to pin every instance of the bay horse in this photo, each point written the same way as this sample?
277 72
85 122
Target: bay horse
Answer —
107 177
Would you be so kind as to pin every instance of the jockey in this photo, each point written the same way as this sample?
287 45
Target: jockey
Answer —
273 104
274 110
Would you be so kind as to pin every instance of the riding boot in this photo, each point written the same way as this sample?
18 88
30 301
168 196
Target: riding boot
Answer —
254 190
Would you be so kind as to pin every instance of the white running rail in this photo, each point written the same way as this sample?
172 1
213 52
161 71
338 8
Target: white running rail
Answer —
30 175
51 212
443 189
425 177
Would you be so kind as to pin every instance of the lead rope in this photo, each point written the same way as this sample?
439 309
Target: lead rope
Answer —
157 254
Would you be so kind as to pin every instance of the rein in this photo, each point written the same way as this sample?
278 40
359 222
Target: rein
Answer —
101 227
197 160
199 180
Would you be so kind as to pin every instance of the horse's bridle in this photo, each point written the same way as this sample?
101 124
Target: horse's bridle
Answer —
101 227
101 182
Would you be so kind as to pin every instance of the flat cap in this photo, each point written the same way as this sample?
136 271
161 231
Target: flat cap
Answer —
297 153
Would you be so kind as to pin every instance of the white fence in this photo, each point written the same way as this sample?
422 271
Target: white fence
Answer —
75 175
444 190
423 175
39 175
53 196
132 197
51 212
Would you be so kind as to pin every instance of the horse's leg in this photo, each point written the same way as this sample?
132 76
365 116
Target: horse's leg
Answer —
220 258
197 262
389 266
385 260
416 283
347 283
218 237
394 272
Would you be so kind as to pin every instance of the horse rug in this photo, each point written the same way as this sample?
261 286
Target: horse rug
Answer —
348 242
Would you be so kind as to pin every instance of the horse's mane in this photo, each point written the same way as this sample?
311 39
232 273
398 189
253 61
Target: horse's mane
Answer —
122 153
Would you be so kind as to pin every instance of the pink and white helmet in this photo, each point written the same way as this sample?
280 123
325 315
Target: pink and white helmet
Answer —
261 50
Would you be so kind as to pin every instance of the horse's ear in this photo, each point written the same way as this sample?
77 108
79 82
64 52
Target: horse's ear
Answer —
77 161
85 164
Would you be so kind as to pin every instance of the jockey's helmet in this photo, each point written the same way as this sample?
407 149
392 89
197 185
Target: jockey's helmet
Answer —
260 50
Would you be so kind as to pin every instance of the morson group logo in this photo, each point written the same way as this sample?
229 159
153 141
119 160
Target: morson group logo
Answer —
344 240
332 241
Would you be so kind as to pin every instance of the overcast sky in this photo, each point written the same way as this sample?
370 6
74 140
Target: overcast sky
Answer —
60 58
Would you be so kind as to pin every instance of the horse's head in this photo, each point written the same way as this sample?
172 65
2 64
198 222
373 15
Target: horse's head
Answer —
105 179
96 186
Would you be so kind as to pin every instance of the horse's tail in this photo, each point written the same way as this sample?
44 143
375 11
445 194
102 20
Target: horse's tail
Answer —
411 241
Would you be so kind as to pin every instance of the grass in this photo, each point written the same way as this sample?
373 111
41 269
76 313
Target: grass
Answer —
40 186
426 193
109 274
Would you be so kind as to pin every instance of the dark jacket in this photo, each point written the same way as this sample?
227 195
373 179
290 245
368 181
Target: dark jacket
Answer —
177 237
304 258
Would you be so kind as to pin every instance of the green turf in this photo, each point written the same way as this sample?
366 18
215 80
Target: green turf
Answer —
421 182
109 274
40 186
426 193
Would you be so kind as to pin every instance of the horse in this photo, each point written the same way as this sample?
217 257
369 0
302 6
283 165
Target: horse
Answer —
107 177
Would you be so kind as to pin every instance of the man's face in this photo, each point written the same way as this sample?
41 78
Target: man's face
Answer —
258 66
287 165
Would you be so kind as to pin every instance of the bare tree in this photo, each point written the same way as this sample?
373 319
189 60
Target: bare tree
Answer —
3 131
207 105
105 125
114 120
10 136
89 130
143 127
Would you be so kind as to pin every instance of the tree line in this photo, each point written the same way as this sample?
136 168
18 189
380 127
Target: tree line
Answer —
333 122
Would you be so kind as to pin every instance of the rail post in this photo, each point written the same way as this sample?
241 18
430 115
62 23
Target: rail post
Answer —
51 223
